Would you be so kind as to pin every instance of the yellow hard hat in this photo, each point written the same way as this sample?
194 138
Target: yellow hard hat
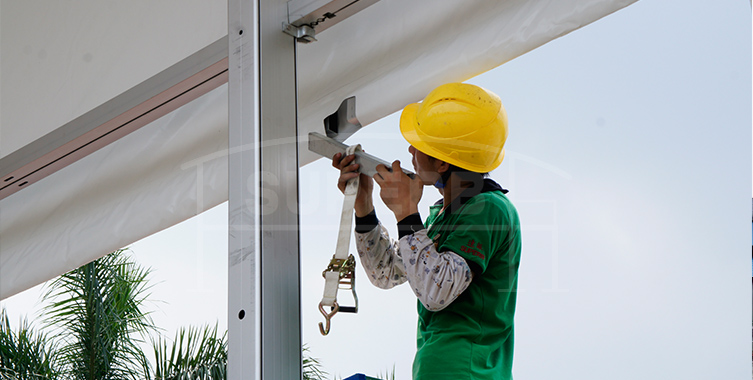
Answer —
462 124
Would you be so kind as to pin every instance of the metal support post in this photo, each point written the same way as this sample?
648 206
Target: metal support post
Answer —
264 271
281 300
244 238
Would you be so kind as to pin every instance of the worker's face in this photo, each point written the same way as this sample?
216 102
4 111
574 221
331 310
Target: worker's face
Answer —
427 167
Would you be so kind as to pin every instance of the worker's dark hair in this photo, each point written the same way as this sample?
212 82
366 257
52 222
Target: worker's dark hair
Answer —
464 174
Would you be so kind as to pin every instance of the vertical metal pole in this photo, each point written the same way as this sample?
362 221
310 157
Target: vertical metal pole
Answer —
244 238
281 300
264 267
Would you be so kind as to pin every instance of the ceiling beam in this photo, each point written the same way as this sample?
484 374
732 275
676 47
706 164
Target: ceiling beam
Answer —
153 98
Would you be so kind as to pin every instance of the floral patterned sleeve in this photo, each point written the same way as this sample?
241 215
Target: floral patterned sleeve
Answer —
379 258
437 278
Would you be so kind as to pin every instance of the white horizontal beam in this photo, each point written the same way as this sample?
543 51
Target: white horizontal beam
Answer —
157 96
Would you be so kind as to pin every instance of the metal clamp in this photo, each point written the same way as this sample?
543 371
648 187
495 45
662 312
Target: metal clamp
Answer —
303 33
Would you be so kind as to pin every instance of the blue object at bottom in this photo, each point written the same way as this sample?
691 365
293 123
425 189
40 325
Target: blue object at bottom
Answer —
360 376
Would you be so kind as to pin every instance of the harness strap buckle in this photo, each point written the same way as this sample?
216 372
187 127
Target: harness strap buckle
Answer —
346 269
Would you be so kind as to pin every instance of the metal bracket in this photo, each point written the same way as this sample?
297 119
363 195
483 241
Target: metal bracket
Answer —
303 33
343 123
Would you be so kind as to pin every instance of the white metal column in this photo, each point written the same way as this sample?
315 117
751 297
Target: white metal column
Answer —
264 272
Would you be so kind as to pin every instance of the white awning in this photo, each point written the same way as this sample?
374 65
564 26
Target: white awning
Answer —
61 60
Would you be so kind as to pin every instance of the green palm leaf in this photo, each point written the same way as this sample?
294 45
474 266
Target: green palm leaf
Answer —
25 354
194 354
312 368
96 312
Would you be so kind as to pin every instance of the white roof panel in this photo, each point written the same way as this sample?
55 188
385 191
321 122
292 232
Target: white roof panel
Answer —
60 61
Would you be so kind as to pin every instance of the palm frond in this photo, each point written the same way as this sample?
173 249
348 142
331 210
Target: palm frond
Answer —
96 311
388 375
312 368
194 354
25 353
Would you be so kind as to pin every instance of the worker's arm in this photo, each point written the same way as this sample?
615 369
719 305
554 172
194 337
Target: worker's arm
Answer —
437 278
378 253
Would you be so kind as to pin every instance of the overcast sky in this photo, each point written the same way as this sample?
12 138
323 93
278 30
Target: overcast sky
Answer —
629 161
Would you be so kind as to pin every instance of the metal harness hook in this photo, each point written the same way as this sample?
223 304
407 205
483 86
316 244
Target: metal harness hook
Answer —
344 270
327 316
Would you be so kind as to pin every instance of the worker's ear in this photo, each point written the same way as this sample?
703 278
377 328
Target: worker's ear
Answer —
442 166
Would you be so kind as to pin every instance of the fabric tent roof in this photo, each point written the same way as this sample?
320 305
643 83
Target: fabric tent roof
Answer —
59 61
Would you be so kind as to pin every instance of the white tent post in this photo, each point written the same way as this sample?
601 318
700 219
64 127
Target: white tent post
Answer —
264 336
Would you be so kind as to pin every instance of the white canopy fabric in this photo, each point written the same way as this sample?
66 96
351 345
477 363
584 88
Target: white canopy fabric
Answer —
59 60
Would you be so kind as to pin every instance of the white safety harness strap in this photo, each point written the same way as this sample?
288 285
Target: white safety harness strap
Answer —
341 269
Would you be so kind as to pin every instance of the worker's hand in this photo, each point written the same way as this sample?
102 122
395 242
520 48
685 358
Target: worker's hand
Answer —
348 170
399 192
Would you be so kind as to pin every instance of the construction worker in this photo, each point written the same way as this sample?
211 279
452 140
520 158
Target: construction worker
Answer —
462 262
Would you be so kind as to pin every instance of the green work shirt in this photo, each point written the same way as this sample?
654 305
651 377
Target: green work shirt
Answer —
472 338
